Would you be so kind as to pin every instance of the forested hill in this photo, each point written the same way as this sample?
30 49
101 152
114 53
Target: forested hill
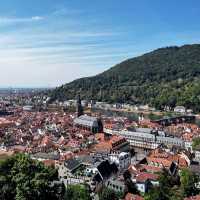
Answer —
167 76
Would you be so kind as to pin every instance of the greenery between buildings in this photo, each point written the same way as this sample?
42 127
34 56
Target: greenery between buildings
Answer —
196 143
174 187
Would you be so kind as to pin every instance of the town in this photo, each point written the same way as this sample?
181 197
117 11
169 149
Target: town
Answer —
97 143
99 100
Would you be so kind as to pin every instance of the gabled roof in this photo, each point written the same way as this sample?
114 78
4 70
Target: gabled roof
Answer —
142 177
106 169
86 121
72 164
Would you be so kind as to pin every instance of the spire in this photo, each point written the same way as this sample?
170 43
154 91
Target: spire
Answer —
79 108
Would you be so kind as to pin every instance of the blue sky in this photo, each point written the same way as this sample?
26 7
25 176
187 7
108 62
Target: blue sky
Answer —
51 42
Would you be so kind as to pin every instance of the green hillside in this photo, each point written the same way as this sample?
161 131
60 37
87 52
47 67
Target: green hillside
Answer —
167 76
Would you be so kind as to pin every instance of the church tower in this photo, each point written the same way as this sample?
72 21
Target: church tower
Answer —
79 108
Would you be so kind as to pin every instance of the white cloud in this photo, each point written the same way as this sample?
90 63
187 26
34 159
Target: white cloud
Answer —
37 18
11 20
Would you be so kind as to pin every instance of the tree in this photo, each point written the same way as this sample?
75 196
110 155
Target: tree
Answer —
188 183
129 185
22 178
108 194
166 189
77 192
195 143
174 187
153 194
153 116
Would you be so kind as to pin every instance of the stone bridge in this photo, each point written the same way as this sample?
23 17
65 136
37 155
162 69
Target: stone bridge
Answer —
175 120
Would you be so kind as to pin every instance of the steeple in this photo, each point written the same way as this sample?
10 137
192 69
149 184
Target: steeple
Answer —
79 108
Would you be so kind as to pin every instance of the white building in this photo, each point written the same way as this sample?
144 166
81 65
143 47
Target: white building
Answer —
188 145
122 160
197 155
140 139
27 108
144 107
116 185
91 170
150 141
180 109
169 141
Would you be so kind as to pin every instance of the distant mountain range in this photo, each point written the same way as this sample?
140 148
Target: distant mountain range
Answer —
165 77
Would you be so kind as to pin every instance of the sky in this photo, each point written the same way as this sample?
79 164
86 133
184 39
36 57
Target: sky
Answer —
46 43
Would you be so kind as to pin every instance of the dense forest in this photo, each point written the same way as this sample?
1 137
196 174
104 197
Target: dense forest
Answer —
165 77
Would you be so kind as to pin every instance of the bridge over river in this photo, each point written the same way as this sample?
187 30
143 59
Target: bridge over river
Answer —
175 120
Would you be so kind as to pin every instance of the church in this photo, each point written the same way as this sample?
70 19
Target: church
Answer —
87 122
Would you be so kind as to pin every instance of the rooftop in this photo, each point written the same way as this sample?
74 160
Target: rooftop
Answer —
197 197
87 121
130 196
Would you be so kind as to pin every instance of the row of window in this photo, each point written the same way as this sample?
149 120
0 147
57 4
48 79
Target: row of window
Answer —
142 139
115 187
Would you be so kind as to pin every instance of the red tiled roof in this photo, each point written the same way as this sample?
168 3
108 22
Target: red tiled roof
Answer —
149 168
165 159
142 177
107 144
193 198
162 161
46 141
49 163
130 196
187 137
